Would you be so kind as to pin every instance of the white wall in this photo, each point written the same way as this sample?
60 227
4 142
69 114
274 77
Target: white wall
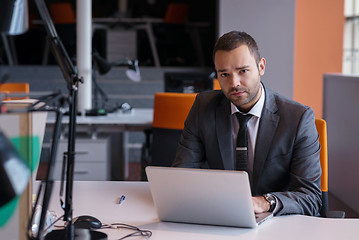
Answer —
271 23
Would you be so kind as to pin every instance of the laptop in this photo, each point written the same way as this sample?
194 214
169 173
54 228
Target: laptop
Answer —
203 196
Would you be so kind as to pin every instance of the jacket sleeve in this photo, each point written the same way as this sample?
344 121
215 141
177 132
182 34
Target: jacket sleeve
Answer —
304 192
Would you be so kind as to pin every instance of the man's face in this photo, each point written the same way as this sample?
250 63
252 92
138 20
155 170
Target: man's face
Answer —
239 76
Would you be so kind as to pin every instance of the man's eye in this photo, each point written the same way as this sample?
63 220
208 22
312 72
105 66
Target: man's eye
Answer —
244 71
224 74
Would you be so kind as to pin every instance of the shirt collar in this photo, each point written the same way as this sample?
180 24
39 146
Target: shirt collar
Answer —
256 110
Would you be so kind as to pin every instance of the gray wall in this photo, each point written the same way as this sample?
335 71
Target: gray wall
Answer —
340 92
271 23
45 79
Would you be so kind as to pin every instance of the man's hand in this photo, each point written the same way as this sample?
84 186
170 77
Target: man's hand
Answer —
260 204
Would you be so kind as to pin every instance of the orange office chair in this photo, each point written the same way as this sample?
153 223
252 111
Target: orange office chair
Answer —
172 34
15 88
62 13
171 109
177 13
322 131
64 17
169 114
216 85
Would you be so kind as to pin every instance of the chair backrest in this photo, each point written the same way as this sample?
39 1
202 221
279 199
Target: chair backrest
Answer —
322 131
216 85
177 13
171 109
169 114
62 13
19 88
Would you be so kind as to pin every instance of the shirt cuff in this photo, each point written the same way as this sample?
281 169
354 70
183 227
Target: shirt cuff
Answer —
278 205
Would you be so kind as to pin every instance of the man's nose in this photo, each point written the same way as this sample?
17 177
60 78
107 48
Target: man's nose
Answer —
236 80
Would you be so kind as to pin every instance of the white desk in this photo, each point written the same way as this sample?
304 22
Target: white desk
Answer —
137 120
99 199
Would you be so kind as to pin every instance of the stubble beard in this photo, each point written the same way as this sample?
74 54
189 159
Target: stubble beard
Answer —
246 98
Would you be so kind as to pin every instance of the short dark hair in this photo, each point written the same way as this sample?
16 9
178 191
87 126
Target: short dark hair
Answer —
234 39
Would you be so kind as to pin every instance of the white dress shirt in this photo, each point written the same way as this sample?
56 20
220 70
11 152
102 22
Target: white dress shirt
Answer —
252 128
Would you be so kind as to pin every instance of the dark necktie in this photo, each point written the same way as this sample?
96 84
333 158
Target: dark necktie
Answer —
242 142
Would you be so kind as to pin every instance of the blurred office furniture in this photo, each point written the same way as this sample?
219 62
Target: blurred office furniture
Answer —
340 98
169 114
173 16
101 144
63 16
166 35
176 30
119 90
92 159
216 85
171 34
114 43
177 13
62 13
15 89
137 23
26 132
187 82
103 67
323 140
10 49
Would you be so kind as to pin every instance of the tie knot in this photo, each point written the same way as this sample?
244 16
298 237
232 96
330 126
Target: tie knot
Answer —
243 119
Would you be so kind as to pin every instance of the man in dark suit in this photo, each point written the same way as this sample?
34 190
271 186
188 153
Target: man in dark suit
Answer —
283 143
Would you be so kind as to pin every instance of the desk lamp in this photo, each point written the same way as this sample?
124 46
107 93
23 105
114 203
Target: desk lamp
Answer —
13 17
73 80
103 67
14 173
133 71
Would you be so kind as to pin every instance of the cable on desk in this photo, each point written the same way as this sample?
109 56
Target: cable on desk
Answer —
53 224
137 231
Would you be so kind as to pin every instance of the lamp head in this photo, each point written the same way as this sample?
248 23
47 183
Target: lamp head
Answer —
133 71
14 16
102 65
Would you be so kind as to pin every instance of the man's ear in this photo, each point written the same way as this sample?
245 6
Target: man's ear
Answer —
262 66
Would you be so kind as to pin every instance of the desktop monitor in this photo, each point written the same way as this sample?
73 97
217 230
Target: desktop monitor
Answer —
187 82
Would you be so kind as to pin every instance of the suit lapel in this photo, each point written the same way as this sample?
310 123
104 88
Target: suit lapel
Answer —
223 128
267 128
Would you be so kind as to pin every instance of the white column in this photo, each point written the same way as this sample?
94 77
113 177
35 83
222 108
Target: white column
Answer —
84 52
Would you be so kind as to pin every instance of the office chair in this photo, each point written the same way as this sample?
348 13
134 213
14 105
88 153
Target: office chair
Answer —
216 85
64 18
62 13
172 34
177 13
322 131
14 88
169 114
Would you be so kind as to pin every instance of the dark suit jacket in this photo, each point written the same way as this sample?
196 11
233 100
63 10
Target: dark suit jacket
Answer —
286 160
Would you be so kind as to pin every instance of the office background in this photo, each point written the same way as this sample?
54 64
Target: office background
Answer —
301 40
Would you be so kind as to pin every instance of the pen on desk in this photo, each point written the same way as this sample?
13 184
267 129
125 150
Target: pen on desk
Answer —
121 199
